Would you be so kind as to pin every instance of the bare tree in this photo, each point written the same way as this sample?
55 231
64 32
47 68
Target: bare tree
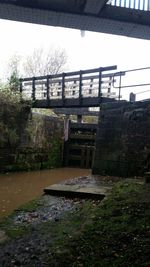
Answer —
14 65
43 63
14 72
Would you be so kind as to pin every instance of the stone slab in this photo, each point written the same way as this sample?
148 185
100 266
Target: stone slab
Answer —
77 191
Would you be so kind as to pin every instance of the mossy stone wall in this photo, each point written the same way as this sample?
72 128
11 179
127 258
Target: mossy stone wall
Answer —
36 142
123 139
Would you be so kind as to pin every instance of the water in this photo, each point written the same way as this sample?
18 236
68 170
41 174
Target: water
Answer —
19 188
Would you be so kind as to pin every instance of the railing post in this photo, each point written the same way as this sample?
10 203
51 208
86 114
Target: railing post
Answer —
100 83
139 4
47 89
119 96
132 97
80 87
63 88
109 86
20 83
148 5
20 88
33 88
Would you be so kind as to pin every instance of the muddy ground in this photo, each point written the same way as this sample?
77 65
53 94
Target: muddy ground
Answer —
56 231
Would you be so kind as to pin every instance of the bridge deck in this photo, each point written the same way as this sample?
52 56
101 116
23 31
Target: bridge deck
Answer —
87 88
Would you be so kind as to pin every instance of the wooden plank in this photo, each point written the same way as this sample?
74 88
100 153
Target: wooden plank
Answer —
82 126
74 157
82 136
88 158
74 146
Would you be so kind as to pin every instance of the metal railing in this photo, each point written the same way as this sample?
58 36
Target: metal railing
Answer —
143 5
129 82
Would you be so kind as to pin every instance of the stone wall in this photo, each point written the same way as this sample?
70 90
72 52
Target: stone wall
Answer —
38 142
123 139
41 145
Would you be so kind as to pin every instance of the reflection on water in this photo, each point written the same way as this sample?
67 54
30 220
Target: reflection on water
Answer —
19 188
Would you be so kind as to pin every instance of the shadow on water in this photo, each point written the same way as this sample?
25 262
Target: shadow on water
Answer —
19 188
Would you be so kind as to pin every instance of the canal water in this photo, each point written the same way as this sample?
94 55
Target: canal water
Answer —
19 188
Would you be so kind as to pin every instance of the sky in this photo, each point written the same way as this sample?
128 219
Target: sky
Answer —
91 51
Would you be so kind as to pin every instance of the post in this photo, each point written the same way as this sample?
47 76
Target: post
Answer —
79 118
109 86
119 96
66 128
47 87
148 5
33 88
91 86
63 88
100 83
132 97
20 89
20 81
80 87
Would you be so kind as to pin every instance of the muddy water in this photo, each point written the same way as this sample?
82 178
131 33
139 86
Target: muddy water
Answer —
19 188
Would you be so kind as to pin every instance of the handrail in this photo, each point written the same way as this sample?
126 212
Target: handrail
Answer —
120 85
123 73
143 5
78 85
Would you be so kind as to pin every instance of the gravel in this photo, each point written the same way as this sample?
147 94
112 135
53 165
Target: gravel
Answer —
33 249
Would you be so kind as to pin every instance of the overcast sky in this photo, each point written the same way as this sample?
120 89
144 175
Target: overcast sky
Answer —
91 51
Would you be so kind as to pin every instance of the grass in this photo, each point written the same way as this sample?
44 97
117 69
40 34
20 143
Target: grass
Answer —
13 230
111 233
114 233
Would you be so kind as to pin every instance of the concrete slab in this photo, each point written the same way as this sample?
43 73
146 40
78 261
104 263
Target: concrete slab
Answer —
77 191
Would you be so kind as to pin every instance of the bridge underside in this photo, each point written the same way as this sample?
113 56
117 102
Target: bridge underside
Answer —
70 103
90 15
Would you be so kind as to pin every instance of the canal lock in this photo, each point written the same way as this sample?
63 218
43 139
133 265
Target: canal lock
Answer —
79 147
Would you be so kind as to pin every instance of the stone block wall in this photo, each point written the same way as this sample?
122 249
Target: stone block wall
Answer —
123 139
41 145
38 145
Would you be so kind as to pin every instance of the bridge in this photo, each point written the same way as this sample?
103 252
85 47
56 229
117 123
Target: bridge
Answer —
121 17
84 88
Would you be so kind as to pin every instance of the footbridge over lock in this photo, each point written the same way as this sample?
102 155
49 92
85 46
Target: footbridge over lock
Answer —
122 123
85 88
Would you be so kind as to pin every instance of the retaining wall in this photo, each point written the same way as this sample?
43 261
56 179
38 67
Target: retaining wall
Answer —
123 139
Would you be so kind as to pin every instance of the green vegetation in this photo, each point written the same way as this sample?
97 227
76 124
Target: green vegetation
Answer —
26 142
10 112
55 155
114 232
13 230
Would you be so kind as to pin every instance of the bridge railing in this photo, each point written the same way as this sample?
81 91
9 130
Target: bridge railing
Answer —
133 84
134 4
72 85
